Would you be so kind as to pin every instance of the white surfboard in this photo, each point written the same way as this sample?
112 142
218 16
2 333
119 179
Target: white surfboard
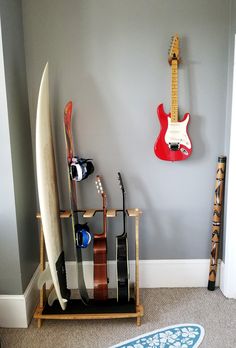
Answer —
48 197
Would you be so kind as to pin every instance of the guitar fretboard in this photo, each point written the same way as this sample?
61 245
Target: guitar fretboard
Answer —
104 208
174 90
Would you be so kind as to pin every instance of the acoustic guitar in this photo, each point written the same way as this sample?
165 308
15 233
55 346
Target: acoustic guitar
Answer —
100 252
122 266
173 142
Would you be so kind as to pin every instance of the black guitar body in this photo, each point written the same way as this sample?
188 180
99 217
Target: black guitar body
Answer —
122 266
122 269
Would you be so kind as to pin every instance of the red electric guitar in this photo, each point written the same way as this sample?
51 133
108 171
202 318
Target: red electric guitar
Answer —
173 143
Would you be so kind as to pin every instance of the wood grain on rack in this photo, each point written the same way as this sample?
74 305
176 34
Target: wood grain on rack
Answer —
39 315
64 214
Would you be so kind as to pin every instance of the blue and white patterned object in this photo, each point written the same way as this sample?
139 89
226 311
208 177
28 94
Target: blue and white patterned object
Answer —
177 336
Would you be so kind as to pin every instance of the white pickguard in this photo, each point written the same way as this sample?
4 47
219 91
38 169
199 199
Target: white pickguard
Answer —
177 133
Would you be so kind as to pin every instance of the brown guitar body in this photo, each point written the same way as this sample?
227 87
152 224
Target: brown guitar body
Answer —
100 292
100 268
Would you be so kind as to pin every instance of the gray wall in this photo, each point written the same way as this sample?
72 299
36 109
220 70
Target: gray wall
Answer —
8 230
110 58
18 237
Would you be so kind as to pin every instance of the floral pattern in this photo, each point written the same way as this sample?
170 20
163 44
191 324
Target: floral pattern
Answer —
178 336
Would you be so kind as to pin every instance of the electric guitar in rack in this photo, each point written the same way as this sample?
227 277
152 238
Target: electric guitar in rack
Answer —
173 142
100 252
122 266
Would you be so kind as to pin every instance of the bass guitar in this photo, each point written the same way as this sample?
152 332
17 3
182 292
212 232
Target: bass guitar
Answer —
173 142
100 252
122 266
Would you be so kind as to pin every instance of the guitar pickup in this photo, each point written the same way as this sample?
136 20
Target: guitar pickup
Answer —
174 146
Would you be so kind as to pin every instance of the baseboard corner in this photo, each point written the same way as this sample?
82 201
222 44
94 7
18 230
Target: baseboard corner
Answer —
16 311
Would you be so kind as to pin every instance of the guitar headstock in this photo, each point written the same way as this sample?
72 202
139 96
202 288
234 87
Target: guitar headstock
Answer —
101 192
121 182
99 186
174 49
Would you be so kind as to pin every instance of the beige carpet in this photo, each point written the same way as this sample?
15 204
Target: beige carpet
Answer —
162 307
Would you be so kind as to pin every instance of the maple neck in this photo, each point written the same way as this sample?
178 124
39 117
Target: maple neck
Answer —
174 90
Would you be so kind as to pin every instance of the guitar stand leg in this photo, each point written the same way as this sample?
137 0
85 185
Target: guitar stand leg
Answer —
42 292
137 293
39 323
138 321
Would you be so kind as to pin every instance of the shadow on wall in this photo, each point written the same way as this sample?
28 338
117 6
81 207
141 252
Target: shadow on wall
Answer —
150 219
196 121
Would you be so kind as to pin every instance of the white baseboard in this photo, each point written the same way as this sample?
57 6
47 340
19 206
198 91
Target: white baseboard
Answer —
16 311
153 273
227 282
222 277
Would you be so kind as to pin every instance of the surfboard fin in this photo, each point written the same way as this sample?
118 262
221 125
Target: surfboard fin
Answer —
53 296
44 277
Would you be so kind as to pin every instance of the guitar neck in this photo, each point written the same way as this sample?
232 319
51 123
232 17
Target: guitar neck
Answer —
124 234
104 234
174 90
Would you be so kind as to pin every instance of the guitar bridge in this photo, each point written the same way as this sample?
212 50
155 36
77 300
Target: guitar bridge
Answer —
174 146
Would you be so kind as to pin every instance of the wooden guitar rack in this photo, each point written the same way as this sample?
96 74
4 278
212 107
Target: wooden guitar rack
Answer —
111 308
